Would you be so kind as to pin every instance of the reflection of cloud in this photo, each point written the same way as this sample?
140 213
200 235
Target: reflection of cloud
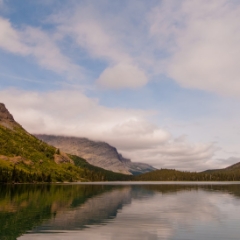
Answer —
161 216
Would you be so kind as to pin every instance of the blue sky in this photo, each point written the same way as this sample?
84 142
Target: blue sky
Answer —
159 79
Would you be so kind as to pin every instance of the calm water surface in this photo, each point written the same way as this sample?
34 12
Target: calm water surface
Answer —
142 211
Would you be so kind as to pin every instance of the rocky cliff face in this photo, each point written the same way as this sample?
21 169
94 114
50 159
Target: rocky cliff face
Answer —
5 114
96 153
6 118
99 154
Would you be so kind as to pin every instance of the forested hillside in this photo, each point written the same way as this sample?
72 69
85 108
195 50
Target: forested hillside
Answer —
174 175
24 158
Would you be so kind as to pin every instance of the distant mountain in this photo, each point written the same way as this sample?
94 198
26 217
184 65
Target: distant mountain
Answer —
24 158
234 167
99 154
231 173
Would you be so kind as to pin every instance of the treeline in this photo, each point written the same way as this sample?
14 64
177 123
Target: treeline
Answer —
16 175
174 175
91 173
19 176
85 172
80 171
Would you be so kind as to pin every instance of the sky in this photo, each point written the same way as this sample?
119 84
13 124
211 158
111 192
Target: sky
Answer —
157 79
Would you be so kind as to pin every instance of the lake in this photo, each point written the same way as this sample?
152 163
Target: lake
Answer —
120 211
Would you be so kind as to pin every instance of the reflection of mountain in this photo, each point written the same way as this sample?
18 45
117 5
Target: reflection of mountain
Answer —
73 207
96 210
23 207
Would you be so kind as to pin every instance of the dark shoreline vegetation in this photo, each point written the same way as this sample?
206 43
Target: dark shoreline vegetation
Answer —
95 174
27 159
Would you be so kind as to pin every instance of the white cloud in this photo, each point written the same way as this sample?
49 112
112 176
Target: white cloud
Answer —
202 39
122 76
103 40
34 42
86 26
178 155
10 39
72 113
196 43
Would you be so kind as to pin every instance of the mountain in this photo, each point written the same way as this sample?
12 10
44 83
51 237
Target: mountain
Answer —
24 158
235 166
231 173
231 168
99 154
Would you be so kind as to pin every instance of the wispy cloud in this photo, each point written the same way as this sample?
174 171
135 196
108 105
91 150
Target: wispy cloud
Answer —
196 43
95 33
40 45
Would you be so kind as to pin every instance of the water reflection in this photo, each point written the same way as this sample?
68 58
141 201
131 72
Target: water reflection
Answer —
119 212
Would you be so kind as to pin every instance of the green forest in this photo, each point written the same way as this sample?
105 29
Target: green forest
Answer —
24 158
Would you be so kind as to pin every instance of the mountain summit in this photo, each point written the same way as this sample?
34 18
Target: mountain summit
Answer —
6 118
5 114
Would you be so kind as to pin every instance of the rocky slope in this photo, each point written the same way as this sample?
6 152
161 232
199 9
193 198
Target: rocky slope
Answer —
99 154
6 118
24 158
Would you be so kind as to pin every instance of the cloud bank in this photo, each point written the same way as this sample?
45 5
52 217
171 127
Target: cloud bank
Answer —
72 113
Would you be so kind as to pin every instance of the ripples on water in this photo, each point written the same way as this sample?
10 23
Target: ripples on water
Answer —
159 211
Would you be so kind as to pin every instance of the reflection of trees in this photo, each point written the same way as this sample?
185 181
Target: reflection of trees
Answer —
232 189
69 207
23 207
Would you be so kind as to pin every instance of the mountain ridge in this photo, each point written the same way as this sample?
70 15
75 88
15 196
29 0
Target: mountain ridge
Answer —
24 158
97 153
